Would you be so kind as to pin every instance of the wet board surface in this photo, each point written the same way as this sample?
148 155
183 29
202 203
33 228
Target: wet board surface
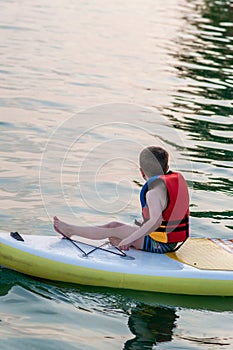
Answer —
53 258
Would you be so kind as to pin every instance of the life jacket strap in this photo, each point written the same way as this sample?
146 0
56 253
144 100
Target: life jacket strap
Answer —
165 232
185 220
169 228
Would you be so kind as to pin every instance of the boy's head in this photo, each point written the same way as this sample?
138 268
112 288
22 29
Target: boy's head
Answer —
153 161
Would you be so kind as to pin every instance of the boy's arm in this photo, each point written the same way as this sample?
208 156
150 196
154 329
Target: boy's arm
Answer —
156 202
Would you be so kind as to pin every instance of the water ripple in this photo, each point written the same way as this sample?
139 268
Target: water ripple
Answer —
58 58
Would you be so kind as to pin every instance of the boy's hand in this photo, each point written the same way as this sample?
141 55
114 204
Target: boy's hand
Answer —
117 242
123 246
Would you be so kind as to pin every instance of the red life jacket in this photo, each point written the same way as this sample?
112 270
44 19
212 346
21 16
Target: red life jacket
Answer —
175 224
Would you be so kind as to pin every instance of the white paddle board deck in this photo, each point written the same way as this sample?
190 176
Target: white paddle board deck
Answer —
57 259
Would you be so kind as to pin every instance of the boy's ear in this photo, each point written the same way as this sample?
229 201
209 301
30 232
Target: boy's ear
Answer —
143 174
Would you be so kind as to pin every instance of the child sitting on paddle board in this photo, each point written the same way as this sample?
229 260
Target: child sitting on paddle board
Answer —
165 211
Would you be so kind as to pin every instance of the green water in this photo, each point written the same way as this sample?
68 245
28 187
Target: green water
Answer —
84 86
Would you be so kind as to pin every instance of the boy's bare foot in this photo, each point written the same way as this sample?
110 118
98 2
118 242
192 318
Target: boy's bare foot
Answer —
61 227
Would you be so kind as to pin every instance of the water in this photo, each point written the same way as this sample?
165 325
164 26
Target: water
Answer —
84 85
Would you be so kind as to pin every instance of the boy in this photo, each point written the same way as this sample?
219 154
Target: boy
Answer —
165 210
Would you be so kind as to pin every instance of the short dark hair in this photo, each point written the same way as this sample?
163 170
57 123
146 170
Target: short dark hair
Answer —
154 160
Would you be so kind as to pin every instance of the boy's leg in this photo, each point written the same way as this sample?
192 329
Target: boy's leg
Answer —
112 229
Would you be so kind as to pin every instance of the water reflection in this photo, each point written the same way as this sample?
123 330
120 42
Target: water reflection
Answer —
73 293
202 104
119 319
204 63
82 60
207 57
150 325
